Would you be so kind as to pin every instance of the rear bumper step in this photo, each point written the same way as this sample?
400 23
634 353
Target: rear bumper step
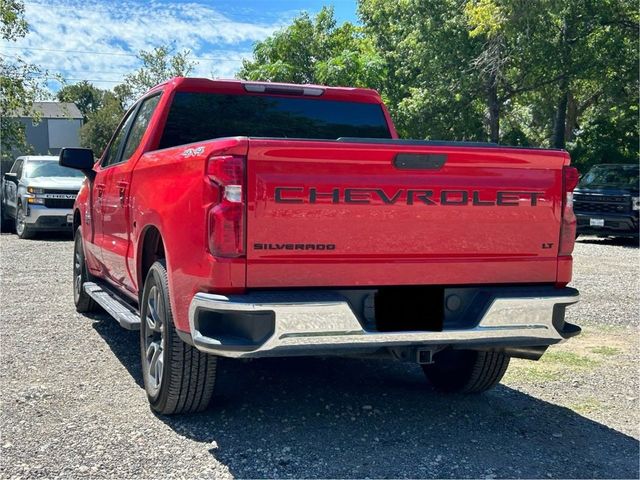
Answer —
302 323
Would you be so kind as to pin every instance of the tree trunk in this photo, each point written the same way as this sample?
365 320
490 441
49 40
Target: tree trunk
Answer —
494 110
572 118
560 121
558 140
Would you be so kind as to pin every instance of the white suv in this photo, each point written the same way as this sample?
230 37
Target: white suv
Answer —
38 195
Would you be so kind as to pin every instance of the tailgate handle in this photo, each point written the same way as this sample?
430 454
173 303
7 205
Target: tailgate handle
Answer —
419 161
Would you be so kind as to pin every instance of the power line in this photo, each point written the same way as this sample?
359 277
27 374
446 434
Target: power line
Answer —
78 71
82 72
87 52
90 80
50 79
94 80
61 78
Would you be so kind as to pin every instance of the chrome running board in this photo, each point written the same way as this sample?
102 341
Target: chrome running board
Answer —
124 313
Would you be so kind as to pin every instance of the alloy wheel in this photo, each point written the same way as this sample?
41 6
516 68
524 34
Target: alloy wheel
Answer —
20 226
154 339
77 272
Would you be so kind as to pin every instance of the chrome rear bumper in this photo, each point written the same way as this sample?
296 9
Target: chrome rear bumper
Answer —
288 323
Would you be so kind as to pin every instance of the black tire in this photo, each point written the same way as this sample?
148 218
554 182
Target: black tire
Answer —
466 371
84 303
185 380
7 224
22 228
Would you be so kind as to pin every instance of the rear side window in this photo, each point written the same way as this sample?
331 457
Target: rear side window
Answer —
195 117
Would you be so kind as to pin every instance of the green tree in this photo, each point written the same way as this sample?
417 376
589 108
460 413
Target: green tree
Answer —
544 73
20 84
13 23
87 97
507 53
432 89
103 110
315 50
158 65
101 124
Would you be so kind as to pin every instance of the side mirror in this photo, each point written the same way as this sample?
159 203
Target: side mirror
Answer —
11 177
79 159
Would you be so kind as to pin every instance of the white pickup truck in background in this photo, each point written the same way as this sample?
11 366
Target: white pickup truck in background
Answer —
38 195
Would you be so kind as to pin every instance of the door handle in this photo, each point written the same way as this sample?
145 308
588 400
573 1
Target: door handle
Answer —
122 189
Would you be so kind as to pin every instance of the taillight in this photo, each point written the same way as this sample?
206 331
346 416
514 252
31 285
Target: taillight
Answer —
570 179
226 219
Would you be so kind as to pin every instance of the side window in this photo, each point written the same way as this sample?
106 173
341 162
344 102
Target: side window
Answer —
139 126
112 154
19 168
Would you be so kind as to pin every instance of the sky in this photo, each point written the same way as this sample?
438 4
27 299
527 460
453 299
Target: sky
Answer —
97 40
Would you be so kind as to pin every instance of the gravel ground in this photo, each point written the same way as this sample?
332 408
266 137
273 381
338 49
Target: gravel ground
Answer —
73 406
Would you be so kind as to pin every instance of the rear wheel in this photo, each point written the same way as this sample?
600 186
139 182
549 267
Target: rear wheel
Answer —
22 228
178 378
84 303
466 371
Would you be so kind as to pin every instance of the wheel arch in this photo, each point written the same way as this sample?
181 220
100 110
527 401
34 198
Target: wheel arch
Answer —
150 249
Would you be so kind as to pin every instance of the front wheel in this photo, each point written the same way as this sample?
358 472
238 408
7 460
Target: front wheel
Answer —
22 228
466 371
178 378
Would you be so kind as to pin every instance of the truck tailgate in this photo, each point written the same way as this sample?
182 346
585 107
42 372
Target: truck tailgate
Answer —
333 213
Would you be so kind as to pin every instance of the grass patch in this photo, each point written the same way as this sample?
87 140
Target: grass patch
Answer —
588 405
568 358
531 373
578 358
553 366
606 351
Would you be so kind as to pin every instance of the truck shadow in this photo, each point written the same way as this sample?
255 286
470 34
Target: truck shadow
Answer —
48 236
54 236
354 418
123 343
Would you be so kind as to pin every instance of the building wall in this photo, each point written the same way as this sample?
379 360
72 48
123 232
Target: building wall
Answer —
63 132
46 138
52 134
37 137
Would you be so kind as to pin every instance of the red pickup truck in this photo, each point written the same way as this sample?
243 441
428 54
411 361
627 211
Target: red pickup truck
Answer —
243 219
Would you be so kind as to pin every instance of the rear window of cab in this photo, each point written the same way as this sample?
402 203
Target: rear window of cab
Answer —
194 117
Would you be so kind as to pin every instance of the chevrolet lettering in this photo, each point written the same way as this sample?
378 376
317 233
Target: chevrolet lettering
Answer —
406 196
67 196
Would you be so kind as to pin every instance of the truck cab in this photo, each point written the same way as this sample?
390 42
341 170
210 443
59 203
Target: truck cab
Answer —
38 195
607 202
